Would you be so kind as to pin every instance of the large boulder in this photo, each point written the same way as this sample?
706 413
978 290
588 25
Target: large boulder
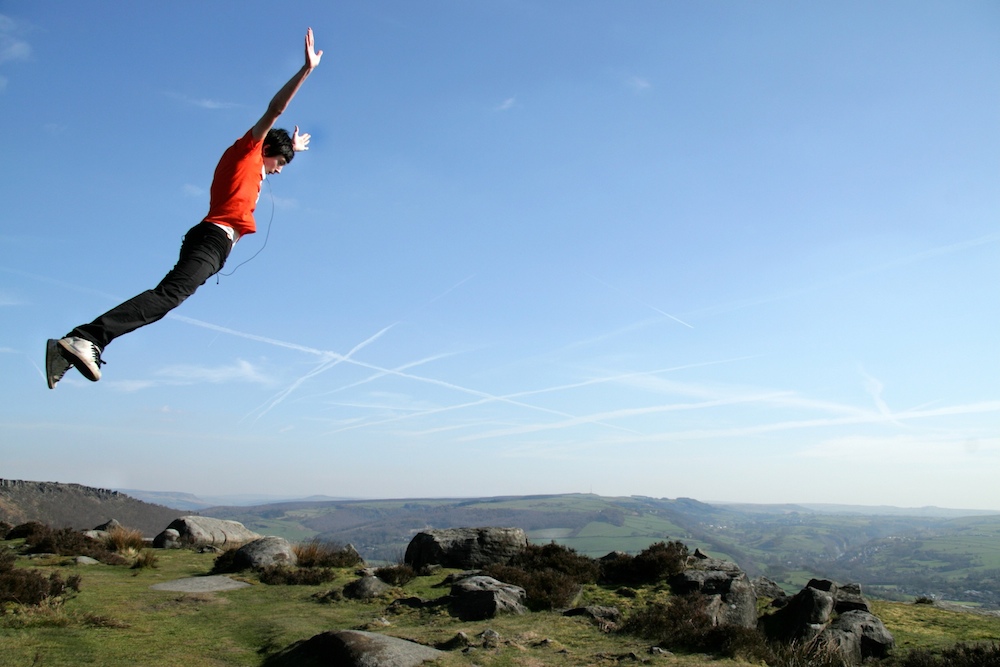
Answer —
730 597
465 548
837 617
858 635
479 598
265 552
354 648
203 531
365 588
804 616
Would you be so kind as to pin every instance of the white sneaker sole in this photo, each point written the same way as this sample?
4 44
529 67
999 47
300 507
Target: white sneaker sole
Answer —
88 370
55 363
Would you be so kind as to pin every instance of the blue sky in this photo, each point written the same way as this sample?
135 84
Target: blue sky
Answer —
721 250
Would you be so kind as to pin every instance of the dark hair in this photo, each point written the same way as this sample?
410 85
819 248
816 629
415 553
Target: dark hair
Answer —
277 142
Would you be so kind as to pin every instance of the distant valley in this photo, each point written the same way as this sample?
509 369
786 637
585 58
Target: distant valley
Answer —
894 553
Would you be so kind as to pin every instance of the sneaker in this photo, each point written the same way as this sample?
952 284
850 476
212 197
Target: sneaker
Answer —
84 355
56 364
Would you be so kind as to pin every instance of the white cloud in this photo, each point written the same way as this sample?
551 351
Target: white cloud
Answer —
203 103
241 371
507 104
192 190
11 46
638 84
7 298
904 449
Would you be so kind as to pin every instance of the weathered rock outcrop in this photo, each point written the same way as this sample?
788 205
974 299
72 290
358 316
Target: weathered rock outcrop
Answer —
731 599
465 548
354 648
203 530
836 616
365 588
265 552
77 506
479 598
858 635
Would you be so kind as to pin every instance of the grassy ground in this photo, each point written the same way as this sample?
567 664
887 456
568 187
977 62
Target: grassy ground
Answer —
116 619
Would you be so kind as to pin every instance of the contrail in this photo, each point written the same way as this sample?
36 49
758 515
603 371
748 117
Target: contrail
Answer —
375 376
639 301
451 289
530 392
324 366
891 264
261 339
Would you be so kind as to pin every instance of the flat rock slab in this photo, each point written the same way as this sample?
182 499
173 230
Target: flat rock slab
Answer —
210 584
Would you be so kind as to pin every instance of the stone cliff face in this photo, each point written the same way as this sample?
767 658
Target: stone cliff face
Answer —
76 506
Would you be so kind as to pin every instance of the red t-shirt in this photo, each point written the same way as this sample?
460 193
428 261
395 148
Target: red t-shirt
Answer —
236 185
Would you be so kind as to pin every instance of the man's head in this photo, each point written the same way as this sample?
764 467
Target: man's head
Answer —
277 150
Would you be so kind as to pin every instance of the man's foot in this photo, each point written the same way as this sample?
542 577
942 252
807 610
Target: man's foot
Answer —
84 355
56 364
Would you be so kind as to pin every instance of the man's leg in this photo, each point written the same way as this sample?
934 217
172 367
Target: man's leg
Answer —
203 253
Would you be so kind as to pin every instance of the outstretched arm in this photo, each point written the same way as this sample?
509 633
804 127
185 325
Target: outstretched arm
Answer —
281 99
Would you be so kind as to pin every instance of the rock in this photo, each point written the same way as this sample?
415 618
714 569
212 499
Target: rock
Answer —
412 602
731 600
365 588
858 635
465 548
491 638
86 560
202 530
168 539
265 552
108 526
766 588
460 640
849 598
479 598
805 616
606 618
457 576
355 648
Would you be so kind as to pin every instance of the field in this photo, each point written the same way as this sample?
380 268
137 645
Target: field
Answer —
117 619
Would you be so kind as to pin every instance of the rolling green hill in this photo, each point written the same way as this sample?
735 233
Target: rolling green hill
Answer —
896 555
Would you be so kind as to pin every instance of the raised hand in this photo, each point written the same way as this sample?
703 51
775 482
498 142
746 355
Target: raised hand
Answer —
300 142
312 56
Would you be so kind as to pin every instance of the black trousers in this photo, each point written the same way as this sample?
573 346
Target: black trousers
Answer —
203 254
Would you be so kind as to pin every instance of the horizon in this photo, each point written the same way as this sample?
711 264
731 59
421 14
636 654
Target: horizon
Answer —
661 249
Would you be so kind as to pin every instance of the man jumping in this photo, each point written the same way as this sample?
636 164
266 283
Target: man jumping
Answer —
235 188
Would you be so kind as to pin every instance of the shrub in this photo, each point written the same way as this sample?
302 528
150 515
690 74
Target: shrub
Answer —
651 565
282 575
551 575
559 558
30 587
396 575
960 655
145 559
317 553
4 530
124 540
27 531
225 562
680 622
806 654
659 561
41 539
543 589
